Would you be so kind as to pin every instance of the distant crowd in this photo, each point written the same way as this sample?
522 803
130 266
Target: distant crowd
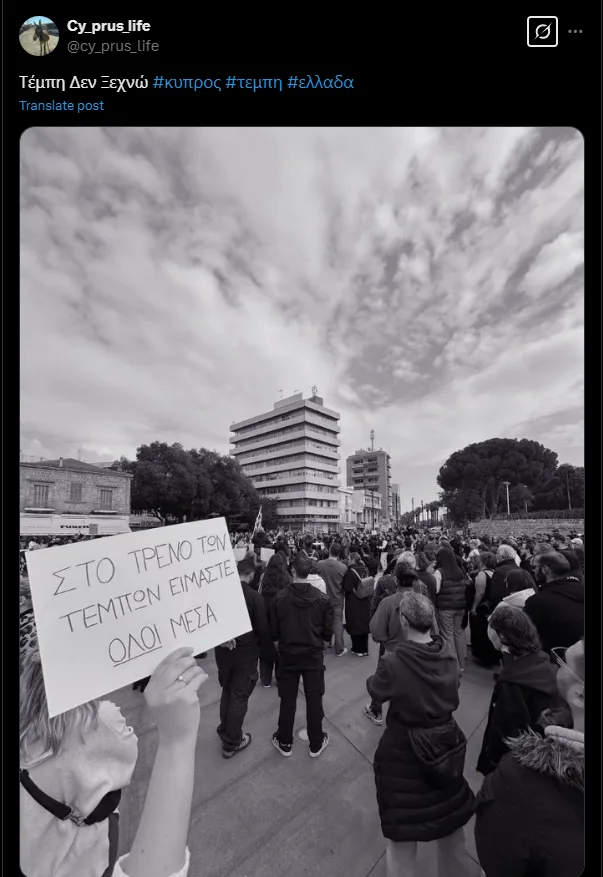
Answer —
427 598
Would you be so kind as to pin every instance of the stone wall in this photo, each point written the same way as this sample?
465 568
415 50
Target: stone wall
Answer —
529 527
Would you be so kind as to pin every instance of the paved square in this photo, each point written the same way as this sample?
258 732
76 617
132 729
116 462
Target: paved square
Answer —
261 815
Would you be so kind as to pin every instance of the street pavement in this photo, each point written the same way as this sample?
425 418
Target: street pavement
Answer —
262 815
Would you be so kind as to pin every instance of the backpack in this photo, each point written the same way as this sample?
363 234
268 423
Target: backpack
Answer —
365 587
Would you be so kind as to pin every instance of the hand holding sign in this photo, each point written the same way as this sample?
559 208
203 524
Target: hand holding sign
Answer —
171 696
109 610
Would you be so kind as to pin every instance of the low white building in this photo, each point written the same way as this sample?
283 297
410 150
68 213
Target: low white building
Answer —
347 515
368 506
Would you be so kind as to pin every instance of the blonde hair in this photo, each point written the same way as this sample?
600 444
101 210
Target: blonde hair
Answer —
39 733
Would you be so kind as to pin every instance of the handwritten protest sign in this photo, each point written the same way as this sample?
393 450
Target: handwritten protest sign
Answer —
109 610
266 554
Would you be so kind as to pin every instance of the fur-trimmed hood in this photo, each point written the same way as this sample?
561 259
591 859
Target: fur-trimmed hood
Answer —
553 754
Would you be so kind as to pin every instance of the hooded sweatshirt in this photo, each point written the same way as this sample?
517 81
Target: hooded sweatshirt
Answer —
557 610
525 688
421 680
301 619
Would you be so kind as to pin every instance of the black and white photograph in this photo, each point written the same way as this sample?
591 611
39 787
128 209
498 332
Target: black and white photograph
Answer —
351 362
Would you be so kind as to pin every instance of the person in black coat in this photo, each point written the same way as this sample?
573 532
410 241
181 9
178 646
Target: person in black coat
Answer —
421 792
557 609
237 663
530 810
301 621
481 647
357 611
508 576
527 684
275 577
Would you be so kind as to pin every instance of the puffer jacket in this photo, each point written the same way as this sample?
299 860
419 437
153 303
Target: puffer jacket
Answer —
452 595
419 801
530 811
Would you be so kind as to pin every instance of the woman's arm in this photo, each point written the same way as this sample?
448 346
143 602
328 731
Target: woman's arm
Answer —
438 577
159 847
480 589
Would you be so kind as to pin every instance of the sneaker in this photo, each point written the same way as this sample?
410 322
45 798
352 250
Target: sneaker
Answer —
341 653
376 718
283 748
266 686
228 753
325 743
358 654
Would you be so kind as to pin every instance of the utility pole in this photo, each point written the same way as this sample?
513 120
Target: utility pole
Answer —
569 500
372 439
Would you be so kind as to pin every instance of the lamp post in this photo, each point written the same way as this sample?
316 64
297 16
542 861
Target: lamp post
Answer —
506 484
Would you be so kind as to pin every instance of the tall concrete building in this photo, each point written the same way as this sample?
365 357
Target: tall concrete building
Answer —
371 470
292 455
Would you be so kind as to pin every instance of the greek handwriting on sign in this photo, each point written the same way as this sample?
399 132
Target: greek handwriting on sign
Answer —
109 610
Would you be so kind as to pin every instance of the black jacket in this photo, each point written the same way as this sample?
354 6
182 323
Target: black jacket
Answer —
525 688
259 635
301 619
421 681
557 610
507 579
530 811
357 612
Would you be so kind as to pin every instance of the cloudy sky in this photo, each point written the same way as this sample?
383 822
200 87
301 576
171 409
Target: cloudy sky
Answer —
428 281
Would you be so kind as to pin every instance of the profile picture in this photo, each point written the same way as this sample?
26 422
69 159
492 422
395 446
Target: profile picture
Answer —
39 35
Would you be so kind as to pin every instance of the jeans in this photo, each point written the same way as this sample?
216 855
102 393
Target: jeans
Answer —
237 674
338 624
452 857
450 625
313 677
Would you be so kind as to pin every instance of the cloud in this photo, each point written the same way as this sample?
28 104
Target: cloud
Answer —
428 281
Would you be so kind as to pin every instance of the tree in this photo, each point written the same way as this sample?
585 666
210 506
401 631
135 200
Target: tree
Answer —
520 498
482 467
164 483
554 493
269 513
463 506
171 483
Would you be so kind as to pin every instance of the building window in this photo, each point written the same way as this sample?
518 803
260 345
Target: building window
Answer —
41 493
75 492
106 500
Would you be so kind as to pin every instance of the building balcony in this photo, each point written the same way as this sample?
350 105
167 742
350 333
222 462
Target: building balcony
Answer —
289 434
306 448
266 428
308 493
304 510
259 482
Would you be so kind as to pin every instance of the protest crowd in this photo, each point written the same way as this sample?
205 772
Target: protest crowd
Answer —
432 601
